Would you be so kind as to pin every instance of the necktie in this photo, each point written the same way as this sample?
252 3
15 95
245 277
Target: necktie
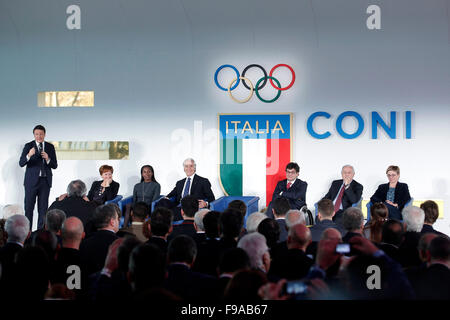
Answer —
186 188
288 185
338 202
43 174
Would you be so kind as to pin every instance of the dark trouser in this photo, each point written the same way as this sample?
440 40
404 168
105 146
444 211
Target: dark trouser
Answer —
41 190
394 213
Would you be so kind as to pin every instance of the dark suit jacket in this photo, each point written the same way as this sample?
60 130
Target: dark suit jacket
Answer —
283 230
159 242
94 250
200 189
208 255
351 195
34 164
190 285
319 228
293 265
76 207
432 283
296 193
9 275
401 194
186 228
429 229
109 194
408 252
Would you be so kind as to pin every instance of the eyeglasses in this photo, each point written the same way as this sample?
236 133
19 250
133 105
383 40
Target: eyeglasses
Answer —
291 171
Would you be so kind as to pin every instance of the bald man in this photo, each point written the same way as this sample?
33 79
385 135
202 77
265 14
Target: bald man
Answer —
72 232
295 263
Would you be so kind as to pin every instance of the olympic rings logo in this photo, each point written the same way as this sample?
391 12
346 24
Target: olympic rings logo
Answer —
259 84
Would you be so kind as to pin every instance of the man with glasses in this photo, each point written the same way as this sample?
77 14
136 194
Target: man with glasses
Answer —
291 188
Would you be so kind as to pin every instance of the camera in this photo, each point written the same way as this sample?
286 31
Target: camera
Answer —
343 248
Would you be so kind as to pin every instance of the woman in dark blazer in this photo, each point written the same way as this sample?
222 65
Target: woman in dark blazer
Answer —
393 194
106 189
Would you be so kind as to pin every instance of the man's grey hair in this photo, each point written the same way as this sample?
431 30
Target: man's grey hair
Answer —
349 166
11 209
352 219
54 220
413 217
198 218
76 188
253 221
190 160
294 217
255 245
17 227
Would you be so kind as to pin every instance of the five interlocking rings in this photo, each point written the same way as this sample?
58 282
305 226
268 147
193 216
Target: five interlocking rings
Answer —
235 82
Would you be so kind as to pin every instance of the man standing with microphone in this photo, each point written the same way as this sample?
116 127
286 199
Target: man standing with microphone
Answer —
39 157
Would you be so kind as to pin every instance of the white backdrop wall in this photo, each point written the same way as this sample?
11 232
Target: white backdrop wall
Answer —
151 65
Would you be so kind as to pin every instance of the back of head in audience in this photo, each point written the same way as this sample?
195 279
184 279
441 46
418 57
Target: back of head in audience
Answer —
353 220
124 251
189 206
280 207
72 232
440 250
431 211
244 286
182 249
140 211
239 206
76 188
232 260
392 233
325 207
161 222
270 229
54 220
299 237
294 217
47 241
211 223
424 246
12 209
198 219
331 234
105 217
254 220
146 267
413 218
17 228
231 222
254 244
379 214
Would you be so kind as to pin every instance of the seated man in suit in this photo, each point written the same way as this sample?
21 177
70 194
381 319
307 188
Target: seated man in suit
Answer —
290 188
189 206
194 185
280 209
325 214
94 249
76 204
344 192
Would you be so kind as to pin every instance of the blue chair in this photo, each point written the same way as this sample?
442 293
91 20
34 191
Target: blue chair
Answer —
369 204
115 200
221 204
122 203
356 204
171 199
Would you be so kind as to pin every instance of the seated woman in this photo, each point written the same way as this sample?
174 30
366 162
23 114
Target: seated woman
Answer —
148 190
393 194
378 216
106 189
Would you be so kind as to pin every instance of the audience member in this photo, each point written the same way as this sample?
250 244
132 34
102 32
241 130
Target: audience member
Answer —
413 218
270 229
189 206
138 216
231 261
244 285
378 216
161 226
94 249
325 215
181 280
231 224
280 207
75 203
254 244
294 217
198 225
353 223
431 211
254 220
10 210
